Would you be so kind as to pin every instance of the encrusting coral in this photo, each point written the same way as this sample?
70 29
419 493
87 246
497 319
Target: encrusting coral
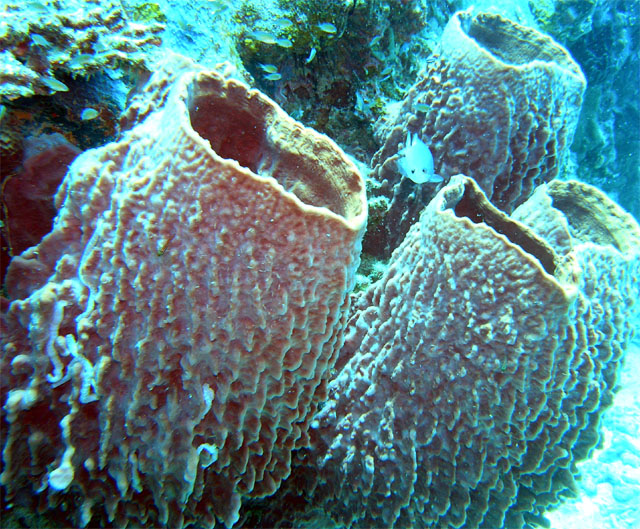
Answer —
498 102
168 342
42 39
475 371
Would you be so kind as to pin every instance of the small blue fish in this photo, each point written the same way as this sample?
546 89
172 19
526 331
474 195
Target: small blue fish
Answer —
422 107
283 23
262 36
362 107
268 68
312 54
416 161
275 76
38 7
284 43
89 114
387 71
327 27
40 40
218 6
81 60
55 85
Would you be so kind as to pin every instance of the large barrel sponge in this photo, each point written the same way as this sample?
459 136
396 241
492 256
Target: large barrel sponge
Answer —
498 102
475 371
168 342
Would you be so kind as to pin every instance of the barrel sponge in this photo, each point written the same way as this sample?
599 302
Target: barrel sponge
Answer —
473 373
168 342
605 245
577 213
498 102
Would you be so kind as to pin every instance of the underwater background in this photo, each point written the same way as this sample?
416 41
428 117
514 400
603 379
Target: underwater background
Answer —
320 263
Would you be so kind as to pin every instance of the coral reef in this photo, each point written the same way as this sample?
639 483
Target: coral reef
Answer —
205 31
337 82
567 20
43 40
198 341
168 342
475 371
607 139
27 207
498 102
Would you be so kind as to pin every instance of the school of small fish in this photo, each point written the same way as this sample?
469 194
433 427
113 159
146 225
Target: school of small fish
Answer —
271 71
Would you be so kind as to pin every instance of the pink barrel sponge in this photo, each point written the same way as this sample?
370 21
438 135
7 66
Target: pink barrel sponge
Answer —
168 342
498 102
476 370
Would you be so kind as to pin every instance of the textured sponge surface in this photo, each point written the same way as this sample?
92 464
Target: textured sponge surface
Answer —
475 371
498 102
181 318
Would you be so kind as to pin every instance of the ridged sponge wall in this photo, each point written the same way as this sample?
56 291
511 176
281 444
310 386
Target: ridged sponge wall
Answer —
498 102
168 342
475 371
